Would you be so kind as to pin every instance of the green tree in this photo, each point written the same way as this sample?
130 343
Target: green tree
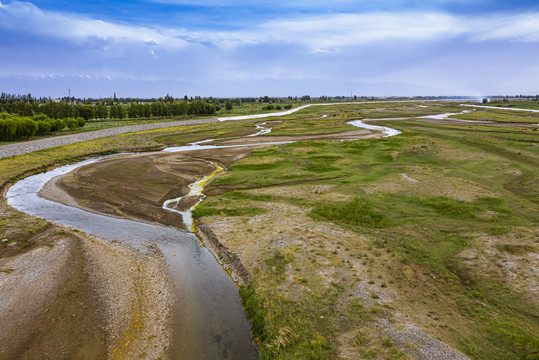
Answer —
122 113
26 128
102 111
86 111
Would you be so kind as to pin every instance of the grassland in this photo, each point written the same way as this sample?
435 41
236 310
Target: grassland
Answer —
438 227
501 116
519 104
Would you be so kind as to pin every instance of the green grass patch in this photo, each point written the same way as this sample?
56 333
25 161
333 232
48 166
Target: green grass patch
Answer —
323 163
501 116
201 211
359 212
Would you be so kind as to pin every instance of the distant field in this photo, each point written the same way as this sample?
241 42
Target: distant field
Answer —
395 110
502 116
518 104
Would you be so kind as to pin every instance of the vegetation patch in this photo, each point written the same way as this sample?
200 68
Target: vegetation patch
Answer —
358 212
417 233
501 116
210 211
323 163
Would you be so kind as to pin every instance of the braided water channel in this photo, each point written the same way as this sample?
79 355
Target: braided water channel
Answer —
209 321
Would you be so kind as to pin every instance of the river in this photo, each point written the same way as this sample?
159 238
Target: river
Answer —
209 322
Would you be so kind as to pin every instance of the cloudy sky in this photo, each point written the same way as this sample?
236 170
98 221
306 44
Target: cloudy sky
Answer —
148 48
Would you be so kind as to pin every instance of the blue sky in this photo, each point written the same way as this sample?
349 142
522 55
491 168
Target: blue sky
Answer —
148 48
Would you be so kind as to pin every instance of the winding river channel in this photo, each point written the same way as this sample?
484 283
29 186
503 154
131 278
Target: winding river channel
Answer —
209 322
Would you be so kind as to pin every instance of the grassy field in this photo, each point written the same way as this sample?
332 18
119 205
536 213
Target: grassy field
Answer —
519 104
443 218
501 116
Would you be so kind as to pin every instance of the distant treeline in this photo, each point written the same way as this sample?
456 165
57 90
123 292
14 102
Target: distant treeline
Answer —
62 110
121 108
14 127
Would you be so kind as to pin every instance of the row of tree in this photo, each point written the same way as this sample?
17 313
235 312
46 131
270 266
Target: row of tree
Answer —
62 110
14 127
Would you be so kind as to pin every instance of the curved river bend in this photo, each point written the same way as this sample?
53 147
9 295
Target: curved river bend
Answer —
209 322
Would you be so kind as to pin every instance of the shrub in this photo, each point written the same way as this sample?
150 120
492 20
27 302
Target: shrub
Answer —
8 129
26 128
41 117
57 125
70 123
43 127
80 122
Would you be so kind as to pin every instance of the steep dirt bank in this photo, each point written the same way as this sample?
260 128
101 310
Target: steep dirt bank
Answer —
229 260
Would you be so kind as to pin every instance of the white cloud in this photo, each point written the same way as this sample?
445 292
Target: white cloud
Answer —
318 33
523 28
355 29
27 17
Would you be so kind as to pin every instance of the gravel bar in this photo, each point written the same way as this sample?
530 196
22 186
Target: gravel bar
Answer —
35 145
